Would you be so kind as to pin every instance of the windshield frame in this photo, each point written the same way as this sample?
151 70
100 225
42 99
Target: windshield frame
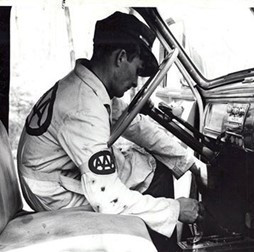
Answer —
158 24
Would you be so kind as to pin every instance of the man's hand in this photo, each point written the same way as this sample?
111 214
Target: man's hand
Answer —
190 210
199 169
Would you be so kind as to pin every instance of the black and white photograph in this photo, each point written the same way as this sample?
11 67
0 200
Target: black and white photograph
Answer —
127 126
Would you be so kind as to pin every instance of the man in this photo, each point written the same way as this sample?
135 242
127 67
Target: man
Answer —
63 156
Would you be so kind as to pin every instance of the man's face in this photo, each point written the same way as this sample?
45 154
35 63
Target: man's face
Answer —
127 76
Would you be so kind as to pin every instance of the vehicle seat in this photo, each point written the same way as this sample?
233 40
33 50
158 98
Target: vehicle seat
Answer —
72 229
10 198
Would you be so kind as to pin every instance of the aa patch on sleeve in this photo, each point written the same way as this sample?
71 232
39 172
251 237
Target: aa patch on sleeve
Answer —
102 163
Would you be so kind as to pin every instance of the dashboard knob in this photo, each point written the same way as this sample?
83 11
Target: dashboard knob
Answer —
241 111
235 110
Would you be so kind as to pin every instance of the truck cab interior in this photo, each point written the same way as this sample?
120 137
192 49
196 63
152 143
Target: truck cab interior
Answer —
202 94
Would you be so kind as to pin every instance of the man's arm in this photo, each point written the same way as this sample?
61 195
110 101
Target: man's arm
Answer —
84 137
148 134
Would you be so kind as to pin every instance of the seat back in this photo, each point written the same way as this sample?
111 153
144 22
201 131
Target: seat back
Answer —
10 198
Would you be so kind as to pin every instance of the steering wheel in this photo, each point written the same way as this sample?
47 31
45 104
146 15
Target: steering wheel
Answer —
142 97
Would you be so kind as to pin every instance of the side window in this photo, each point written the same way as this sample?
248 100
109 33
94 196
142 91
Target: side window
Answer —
174 89
174 79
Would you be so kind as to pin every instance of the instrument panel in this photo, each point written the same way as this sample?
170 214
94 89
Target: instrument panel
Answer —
230 122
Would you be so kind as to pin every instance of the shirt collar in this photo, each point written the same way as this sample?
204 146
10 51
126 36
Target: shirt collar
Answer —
90 79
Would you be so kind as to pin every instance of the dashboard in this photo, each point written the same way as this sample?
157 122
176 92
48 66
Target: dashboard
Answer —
231 122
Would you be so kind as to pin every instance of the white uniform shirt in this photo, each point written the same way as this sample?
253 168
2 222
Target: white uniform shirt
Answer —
68 126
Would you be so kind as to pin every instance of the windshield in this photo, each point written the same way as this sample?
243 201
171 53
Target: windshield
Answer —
218 39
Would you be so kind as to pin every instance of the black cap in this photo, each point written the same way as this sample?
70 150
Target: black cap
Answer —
121 27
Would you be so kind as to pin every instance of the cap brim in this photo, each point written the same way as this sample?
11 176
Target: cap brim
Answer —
150 62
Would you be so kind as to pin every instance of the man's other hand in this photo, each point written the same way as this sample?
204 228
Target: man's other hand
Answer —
199 169
189 210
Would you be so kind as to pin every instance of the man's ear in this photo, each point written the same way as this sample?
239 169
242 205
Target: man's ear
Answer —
121 56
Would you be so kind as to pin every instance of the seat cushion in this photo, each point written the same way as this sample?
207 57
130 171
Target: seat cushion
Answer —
75 229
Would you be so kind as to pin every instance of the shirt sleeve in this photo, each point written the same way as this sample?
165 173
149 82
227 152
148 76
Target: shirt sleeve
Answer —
145 132
84 137
107 194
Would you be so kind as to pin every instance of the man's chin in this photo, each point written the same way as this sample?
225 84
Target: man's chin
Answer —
119 95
